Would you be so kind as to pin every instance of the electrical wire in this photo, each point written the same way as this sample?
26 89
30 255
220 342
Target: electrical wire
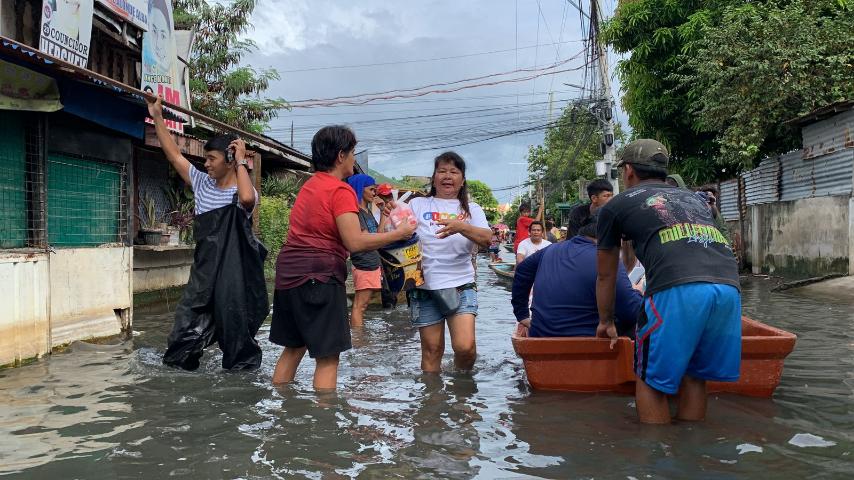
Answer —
418 91
422 60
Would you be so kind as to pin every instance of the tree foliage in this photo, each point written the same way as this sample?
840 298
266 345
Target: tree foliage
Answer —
715 80
656 34
763 65
274 214
220 86
567 155
481 194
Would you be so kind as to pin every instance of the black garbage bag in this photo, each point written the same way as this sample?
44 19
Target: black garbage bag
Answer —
226 299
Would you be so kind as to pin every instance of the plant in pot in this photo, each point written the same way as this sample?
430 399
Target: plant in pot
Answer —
181 216
148 222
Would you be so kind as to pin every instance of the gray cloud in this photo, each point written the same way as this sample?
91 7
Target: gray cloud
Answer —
298 34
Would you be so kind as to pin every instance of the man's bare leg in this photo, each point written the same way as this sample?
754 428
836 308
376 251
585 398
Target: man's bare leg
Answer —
692 399
652 405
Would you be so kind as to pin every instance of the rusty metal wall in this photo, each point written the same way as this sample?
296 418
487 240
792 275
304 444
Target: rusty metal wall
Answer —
829 136
761 184
825 175
729 199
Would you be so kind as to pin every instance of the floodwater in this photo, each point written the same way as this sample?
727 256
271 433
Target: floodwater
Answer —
118 413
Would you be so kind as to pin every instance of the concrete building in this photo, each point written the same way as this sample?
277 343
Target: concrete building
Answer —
794 215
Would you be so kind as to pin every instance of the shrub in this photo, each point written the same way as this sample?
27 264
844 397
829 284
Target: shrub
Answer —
273 220
285 187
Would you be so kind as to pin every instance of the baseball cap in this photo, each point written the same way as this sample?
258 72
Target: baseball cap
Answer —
384 189
645 152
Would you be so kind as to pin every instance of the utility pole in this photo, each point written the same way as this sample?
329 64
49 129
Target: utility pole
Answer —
606 101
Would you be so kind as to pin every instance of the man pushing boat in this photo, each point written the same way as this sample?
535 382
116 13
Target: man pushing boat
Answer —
689 330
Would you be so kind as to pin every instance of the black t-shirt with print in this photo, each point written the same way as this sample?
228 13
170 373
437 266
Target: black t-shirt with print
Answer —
673 234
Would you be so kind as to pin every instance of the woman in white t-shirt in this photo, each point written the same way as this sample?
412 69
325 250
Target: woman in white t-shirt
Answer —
450 228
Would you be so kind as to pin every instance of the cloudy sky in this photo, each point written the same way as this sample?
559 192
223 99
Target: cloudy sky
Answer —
385 46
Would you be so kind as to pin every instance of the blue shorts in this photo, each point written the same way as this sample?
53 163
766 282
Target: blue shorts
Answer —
691 329
423 312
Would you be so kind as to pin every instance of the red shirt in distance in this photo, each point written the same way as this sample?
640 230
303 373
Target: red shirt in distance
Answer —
314 250
522 225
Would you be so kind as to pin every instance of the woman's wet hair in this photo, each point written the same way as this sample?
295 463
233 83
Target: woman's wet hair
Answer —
457 161
220 143
327 143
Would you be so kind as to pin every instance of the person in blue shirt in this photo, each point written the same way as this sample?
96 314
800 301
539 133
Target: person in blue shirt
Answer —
563 277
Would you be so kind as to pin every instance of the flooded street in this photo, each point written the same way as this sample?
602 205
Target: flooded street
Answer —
121 414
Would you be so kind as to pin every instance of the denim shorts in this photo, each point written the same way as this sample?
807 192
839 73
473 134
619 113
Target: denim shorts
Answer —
424 312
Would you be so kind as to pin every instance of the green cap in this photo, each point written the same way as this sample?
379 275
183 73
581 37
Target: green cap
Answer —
645 152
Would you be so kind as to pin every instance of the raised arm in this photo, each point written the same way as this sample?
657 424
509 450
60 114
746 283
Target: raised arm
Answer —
170 148
245 188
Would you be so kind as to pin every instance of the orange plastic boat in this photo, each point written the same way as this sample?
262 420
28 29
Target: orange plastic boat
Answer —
585 364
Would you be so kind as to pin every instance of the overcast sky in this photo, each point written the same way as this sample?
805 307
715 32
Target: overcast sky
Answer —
303 38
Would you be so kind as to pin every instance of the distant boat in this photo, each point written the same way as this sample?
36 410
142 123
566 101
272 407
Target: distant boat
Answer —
508 247
504 270
587 364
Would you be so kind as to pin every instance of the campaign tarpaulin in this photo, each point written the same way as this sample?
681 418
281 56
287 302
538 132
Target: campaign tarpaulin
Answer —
132 11
67 29
160 72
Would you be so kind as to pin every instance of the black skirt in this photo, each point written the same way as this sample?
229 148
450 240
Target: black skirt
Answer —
312 315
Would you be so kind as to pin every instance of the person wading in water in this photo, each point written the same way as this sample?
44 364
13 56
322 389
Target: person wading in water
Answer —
310 301
225 300
450 228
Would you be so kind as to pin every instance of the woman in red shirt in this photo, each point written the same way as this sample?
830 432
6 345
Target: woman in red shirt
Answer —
310 302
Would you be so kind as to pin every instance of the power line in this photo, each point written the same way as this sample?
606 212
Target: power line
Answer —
493 137
422 60
462 114
288 115
417 91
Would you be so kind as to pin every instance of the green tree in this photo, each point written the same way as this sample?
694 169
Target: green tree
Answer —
764 64
568 153
220 86
656 34
481 194
715 80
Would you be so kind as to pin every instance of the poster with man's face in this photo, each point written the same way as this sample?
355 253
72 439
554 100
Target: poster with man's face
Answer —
67 29
160 73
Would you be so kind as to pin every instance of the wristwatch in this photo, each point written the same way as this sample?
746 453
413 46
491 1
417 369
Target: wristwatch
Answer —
244 163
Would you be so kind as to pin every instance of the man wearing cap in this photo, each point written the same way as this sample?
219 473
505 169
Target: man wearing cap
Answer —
384 195
689 330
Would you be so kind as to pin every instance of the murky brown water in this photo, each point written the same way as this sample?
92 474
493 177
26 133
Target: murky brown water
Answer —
121 414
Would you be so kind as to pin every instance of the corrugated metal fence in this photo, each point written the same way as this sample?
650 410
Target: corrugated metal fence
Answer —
729 199
791 176
762 184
